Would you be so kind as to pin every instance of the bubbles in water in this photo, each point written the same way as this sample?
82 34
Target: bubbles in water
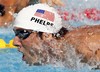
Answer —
63 55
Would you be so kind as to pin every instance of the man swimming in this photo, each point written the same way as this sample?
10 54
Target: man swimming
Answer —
52 44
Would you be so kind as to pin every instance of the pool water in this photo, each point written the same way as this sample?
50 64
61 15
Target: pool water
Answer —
11 61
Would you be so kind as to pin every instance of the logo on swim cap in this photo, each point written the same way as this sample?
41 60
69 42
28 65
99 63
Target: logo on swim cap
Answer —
39 17
44 14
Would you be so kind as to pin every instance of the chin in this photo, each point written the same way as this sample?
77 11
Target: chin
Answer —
33 64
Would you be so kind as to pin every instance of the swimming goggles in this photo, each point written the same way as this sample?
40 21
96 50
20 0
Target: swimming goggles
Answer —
22 33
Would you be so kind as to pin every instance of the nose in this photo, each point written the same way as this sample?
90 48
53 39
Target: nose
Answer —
2 11
17 41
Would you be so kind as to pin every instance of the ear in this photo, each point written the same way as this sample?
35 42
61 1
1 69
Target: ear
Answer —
47 36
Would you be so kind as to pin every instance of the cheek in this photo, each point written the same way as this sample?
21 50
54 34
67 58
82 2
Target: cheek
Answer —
34 41
26 44
31 42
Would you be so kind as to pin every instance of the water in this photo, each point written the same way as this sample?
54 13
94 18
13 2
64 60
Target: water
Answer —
6 34
74 12
10 61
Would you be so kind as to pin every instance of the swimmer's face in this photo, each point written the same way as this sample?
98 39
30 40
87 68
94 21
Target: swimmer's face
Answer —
28 43
37 50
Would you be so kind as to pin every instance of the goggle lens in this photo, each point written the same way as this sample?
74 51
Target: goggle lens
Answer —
21 33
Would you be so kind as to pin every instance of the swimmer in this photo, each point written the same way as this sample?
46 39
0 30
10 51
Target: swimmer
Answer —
36 38
43 43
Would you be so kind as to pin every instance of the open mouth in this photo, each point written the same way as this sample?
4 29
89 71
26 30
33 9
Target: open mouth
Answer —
23 57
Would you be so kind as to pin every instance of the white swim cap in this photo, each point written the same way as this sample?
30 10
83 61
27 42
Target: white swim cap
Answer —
39 17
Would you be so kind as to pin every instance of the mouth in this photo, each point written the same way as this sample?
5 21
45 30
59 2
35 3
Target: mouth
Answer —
23 57
29 60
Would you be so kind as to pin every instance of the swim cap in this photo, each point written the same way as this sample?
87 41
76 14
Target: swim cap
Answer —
39 17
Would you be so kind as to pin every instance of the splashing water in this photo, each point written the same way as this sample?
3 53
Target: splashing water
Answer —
78 13
65 56
61 54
